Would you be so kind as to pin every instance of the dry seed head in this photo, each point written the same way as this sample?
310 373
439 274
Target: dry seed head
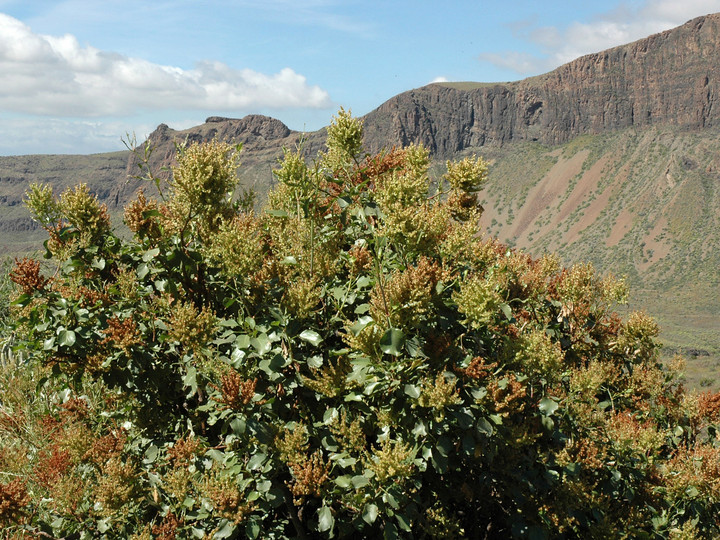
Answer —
236 391
478 300
193 329
478 369
439 393
26 275
183 451
293 444
310 475
227 498
116 485
85 213
330 381
409 295
393 460
349 434
122 334
361 259
14 499
302 297
203 182
238 247
467 175
137 221
344 137
541 355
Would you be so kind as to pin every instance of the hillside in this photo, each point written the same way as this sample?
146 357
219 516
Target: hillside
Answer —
612 158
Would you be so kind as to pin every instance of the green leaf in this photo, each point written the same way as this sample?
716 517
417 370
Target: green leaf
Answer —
142 271
507 311
326 521
390 532
370 513
392 342
412 391
238 426
256 462
315 362
547 406
190 380
261 343
226 530
311 336
66 338
403 522
242 341
361 324
264 486
252 529
150 254
343 481
359 481
151 454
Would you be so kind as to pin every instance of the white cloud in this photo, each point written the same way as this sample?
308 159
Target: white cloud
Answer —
624 24
64 136
440 79
518 62
49 75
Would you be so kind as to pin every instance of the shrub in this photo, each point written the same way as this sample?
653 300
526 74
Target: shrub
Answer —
356 361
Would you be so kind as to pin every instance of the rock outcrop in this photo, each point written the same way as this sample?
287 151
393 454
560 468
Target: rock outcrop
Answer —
668 78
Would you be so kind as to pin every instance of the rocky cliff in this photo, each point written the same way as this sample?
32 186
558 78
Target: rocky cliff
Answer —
671 78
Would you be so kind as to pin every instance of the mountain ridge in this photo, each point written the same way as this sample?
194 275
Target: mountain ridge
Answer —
678 84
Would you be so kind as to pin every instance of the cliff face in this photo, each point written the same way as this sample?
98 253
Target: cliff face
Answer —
671 78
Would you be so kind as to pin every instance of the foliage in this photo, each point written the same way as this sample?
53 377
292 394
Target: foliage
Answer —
356 361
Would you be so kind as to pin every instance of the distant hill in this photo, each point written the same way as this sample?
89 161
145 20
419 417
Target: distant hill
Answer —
612 158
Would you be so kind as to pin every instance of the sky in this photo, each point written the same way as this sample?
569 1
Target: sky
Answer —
79 76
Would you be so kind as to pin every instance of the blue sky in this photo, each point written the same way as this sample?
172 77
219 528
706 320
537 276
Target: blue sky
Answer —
77 75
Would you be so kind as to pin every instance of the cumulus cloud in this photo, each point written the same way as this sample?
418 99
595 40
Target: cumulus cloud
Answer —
56 76
440 79
624 24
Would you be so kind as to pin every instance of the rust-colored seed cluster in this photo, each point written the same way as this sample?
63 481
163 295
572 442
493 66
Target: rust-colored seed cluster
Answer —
136 216
310 475
105 447
167 529
183 451
26 275
709 406
478 369
123 334
236 392
509 398
52 468
74 409
361 259
13 500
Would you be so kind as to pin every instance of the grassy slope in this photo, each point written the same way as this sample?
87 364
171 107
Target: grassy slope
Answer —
641 204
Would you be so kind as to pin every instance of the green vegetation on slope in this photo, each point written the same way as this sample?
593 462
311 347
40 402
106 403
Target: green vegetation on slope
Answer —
643 204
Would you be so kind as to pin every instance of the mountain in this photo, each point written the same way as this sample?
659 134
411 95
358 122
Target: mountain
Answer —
612 158
671 78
